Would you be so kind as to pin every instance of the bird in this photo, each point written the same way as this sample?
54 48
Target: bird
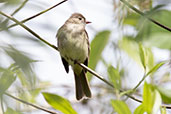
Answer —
73 45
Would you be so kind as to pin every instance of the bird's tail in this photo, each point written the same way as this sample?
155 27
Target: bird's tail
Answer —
82 86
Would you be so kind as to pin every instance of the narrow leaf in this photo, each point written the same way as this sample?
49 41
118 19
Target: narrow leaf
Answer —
157 102
147 98
156 67
59 103
120 107
97 46
142 55
114 76
139 110
6 80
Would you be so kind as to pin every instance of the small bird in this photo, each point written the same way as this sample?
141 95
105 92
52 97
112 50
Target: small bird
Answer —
73 45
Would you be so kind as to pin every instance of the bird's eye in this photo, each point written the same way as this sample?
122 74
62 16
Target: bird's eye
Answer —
80 18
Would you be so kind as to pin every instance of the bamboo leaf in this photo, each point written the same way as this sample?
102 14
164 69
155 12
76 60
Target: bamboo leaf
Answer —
142 55
97 46
120 107
156 67
139 110
59 103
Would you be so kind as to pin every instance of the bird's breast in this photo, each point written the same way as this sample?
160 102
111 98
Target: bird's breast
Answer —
74 47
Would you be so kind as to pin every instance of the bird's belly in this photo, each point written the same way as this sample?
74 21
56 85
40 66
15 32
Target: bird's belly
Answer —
74 49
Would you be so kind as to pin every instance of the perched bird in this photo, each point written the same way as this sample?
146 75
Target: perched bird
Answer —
73 45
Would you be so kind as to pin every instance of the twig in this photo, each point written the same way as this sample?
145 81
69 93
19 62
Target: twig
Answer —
42 12
30 104
104 80
29 30
82 65
95 74
142 14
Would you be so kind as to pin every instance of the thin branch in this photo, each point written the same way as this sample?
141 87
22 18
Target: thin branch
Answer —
42 12
104 80
29 30
142 14
82 65
20 7
30 104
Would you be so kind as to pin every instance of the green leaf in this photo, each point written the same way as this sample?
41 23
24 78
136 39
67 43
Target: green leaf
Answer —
160 39
156 67
24 62
59 103
147 98
6 80
120 107
131 19
153 35
142 55
165 94
151 99
97 46
114 76
139 110
11 111
131 48
157 102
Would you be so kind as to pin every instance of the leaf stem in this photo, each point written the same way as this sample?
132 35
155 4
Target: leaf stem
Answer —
142 14
30 104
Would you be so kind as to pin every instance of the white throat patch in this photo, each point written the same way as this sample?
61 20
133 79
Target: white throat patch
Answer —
75 27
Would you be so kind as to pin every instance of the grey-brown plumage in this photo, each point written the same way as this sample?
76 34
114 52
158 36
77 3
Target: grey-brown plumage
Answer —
73 46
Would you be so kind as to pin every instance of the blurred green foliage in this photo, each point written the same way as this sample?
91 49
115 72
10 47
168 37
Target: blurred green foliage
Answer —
97 46
149 33
11 111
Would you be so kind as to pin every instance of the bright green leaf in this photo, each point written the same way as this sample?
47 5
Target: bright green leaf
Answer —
147 98
156 67
59 103
149 58
114 76
120 107
157 102
139 110
97 46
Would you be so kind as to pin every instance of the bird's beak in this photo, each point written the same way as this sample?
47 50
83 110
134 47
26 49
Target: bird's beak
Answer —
88 22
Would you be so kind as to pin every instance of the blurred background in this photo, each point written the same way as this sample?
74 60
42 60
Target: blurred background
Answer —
31 67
